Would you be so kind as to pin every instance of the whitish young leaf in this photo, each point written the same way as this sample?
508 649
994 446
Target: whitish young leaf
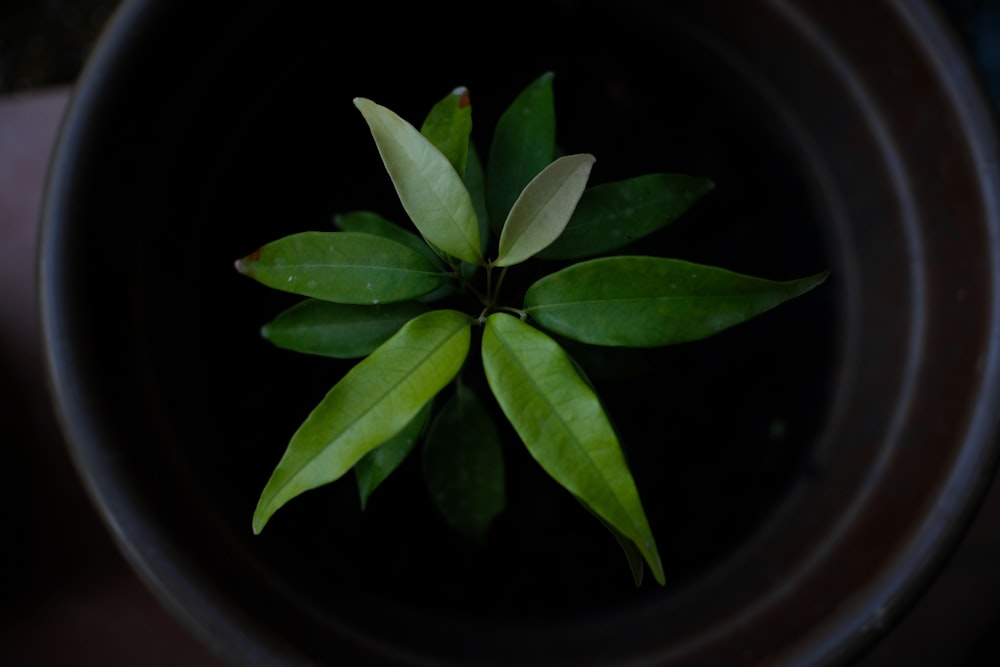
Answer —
373 402
342 331
613 215
464 466
344 267
544 208
652 301
524 142
374 467
562 423
448 125
431 191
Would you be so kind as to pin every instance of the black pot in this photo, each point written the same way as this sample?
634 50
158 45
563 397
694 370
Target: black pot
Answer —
805 474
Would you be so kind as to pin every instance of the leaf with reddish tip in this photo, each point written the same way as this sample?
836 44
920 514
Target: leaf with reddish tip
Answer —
372 403
544 208
448 126
433 194
344 267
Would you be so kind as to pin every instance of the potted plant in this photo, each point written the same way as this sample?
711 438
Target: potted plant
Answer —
394 297
812 466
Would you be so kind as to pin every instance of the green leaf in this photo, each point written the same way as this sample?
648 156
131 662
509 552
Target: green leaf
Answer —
563 425
613 215
652 301
345 267
342 331
540 214
373 402
366 222
448 126
374 467
524 142
464 466
476 183
431 191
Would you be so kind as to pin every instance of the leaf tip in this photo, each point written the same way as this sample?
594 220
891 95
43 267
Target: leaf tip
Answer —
462 93
245 265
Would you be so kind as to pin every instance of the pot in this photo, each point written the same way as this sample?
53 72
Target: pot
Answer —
806 474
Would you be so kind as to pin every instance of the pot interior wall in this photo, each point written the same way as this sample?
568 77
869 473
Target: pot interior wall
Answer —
749 449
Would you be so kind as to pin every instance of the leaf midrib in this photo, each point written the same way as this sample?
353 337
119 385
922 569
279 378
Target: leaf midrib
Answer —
365 412
414 166
565 427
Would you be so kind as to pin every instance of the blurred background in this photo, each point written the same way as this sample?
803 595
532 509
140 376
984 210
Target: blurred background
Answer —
45 42
66 595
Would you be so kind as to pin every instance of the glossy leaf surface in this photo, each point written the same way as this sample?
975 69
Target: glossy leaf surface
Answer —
652 301
464 465
562 423
448 125
373 402
345 267
375 467
543 209
431 191
524 143
342 331
613 215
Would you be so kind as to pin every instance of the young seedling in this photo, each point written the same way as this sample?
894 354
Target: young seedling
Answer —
392 296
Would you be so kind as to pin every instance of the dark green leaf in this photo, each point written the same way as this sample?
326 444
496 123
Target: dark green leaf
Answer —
342 331
613 215
366 222
374 467
523 144
464 466
373 402
345 267
475 182
371 223
563 424
448 125
652 301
